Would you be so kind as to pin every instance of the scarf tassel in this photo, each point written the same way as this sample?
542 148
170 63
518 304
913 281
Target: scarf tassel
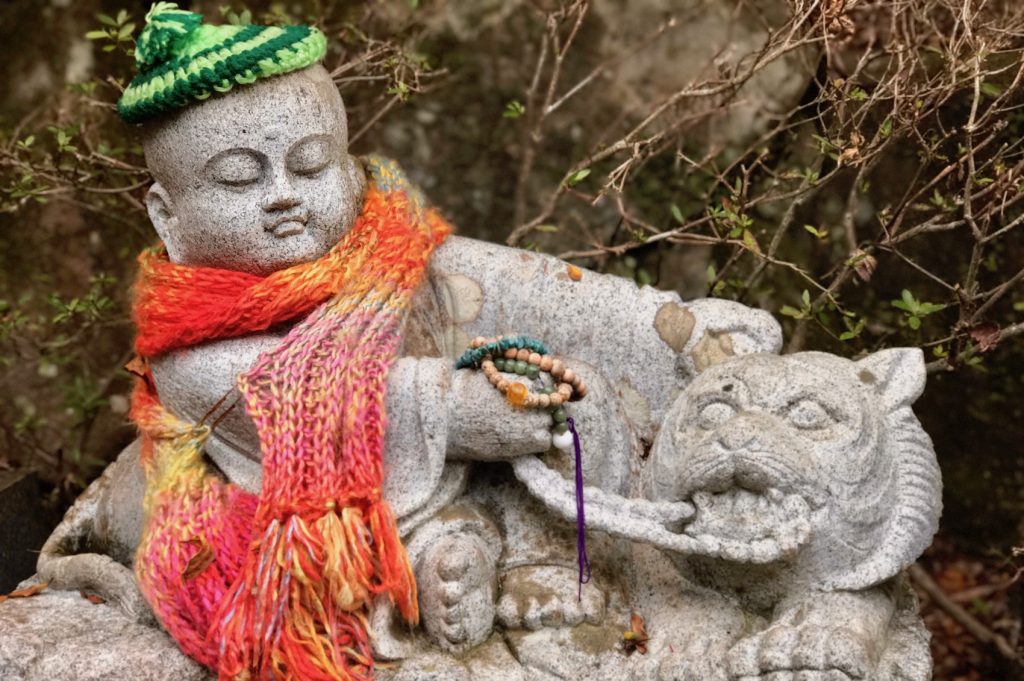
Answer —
298 608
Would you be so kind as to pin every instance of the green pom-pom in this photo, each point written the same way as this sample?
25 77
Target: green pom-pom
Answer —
166 28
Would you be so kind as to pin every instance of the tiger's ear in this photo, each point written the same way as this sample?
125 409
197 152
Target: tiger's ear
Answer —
897 375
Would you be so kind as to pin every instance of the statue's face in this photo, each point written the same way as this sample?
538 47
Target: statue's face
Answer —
258 179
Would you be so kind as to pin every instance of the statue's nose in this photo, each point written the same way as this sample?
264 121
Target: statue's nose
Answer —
281 196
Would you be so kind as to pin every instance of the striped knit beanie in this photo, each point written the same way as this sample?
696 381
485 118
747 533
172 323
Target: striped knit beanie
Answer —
181 60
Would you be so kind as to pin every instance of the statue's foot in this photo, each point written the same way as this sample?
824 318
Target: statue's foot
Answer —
536 596
801 653
457 587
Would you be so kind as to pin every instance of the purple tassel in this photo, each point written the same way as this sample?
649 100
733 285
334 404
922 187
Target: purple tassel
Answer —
581 522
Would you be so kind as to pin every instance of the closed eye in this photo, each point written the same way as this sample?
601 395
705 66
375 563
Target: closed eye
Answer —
309 156
234 168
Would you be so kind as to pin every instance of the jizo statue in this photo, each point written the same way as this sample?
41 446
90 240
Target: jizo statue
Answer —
318 490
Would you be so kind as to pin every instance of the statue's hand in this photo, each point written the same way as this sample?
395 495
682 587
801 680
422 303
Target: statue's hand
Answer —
483 426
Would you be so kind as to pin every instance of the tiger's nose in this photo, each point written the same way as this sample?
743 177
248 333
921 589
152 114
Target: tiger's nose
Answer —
738 434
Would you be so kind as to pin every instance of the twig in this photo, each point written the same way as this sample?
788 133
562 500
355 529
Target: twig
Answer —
962 617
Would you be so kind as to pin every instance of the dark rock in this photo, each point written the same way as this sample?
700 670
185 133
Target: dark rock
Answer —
26 520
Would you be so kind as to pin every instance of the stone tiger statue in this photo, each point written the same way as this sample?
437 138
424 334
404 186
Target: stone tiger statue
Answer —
813 486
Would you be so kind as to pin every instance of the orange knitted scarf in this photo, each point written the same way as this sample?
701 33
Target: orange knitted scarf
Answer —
279 586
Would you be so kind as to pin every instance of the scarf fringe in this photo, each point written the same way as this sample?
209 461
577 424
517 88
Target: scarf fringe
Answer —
298 607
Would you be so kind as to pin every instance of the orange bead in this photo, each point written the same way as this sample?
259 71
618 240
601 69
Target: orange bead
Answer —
523 354
516 394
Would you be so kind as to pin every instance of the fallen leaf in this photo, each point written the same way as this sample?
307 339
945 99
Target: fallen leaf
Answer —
137 367
27 592
200 561
92 598
575 273
986 335
635 640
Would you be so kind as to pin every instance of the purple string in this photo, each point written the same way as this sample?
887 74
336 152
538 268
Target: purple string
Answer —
581 522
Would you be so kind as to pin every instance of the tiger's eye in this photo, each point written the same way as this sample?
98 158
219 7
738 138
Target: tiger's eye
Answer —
809 415
715 414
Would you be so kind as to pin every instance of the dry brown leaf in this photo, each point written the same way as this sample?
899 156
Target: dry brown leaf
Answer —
200 561
92 598
27 592
986 335
137 367
635 640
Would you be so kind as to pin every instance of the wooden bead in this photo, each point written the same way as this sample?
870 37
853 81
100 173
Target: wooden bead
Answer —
511 353
554 399
477 342
568 375
545 363
503 384
522 354
534 358
565 390
557 368
543 401
581 391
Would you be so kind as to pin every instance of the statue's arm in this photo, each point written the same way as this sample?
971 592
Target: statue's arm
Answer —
645 342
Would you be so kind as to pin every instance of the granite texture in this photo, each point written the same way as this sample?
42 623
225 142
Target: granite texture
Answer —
754 510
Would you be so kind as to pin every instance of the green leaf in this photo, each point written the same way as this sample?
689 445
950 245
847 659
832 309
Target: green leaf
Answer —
548 229
858 94
677 214
806 298
513 109
126 31
106 19
914 322
886 128
577 177
991 90
790 311
97 35
750 242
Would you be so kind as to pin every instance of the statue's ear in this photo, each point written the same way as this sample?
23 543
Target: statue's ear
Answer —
897 375
161 214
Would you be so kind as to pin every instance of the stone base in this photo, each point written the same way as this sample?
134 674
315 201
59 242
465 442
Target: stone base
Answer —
62 636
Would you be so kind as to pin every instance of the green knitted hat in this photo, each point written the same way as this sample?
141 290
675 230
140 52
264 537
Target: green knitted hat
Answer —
180 59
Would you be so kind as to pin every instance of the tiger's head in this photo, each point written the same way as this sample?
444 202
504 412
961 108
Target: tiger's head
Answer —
807 460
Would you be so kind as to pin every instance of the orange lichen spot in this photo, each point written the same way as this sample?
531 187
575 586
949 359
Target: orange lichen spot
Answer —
516 394
575 273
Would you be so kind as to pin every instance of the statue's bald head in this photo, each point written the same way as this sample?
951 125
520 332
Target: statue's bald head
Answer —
255 179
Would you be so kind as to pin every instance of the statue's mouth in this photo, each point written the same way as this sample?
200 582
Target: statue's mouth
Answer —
748 526
288 225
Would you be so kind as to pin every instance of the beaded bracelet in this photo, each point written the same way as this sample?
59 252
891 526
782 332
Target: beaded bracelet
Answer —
527 357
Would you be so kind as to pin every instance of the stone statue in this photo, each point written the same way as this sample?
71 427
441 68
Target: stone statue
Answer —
755 509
